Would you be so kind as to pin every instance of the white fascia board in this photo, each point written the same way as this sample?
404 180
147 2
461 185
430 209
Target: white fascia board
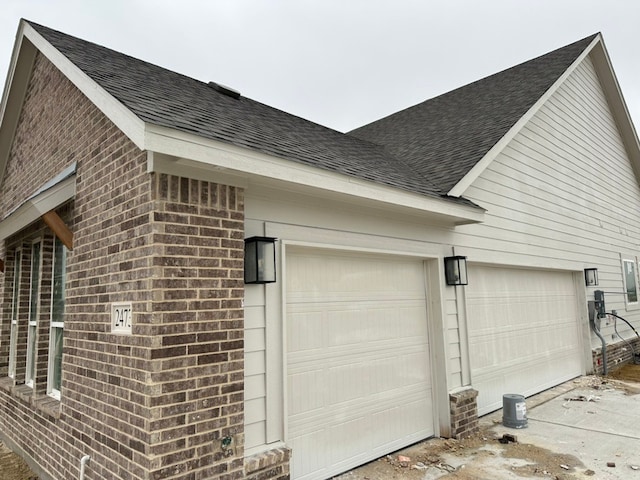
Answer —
239 162
466 181
181 167
121 116
34 208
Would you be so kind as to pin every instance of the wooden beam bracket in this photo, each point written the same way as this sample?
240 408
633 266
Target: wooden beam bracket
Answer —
57 225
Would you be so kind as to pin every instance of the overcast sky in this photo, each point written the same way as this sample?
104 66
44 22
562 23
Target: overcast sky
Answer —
341 63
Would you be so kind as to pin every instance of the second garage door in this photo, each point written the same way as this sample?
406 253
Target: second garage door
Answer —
523 332
358 373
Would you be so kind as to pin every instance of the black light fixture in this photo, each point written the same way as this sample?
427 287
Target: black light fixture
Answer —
591 277
259 260
455 270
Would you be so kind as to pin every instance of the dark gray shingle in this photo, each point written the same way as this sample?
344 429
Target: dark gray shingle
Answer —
424 149
162 97
443 138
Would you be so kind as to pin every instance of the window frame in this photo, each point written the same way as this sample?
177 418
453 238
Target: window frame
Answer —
15 308
53 364
32 319
633 261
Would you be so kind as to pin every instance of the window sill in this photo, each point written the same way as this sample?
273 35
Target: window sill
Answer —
48 405
23 392
44 403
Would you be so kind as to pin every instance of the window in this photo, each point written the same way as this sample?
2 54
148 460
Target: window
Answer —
630 282
34 303
54 382
15 298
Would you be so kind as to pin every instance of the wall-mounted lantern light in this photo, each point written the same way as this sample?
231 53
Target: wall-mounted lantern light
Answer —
591 277
455 270
259 260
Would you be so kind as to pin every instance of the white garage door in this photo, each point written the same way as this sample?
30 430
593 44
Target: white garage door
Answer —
523 332
358 374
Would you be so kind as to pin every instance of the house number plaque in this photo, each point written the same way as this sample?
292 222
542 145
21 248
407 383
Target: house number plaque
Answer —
121 314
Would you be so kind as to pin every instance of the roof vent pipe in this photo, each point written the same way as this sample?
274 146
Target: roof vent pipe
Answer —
228 91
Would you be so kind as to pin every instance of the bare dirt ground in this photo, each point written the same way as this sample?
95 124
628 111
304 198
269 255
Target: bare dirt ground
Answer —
627 373
474 458
432 459
12 467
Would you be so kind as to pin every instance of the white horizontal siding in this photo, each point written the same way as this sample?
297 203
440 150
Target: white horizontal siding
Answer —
563 192
255 367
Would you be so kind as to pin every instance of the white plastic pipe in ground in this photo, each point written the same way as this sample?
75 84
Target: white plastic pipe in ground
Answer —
83 461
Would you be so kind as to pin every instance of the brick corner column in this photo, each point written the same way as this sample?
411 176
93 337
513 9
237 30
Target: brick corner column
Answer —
464 413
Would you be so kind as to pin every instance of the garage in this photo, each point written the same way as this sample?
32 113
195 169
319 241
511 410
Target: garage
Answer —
523 332
358 368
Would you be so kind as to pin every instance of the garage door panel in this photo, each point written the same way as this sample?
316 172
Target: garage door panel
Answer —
313 419
523 332
559 325
341 275
408 419
357 358
538 343
524 379
515 313
349 377
327 325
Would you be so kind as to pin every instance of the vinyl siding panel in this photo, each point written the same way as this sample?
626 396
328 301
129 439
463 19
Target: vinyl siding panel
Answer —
255 367
563 193
453 338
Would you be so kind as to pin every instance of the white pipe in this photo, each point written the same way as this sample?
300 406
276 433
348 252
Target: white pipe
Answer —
83 461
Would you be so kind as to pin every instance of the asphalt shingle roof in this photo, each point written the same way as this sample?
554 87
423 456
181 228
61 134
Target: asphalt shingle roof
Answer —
162 97
443 138
424 149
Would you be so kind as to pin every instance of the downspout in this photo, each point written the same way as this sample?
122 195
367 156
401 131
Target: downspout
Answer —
604 343
83 461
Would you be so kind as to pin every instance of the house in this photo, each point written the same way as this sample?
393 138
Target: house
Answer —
131 346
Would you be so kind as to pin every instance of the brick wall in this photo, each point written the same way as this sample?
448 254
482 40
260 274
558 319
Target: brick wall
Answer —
197 359
166 401
103 408
464 413
618 354
270 465
34 161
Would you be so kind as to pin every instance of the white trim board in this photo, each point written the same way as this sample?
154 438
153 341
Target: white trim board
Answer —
34 208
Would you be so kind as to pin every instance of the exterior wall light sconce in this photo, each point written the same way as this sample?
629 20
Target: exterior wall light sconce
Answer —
259 260
455 270
591 277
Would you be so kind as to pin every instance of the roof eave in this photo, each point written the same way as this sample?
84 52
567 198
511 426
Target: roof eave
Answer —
174 152
465 182
613 93
47 199
15 89
28 43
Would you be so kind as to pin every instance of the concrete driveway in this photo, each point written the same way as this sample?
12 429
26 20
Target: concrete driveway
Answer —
588 428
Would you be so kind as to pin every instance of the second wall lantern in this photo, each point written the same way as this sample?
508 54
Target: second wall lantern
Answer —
259 260
591 277
455 270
